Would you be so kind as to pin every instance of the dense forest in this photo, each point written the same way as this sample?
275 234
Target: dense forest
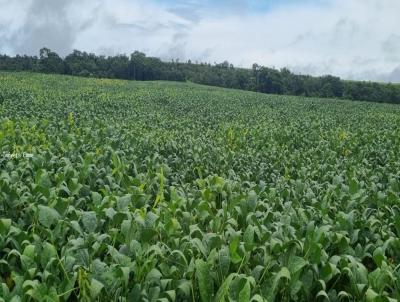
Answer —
259 78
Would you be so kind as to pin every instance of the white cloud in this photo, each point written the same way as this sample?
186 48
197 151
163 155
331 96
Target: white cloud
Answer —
351 38
345 38
125 26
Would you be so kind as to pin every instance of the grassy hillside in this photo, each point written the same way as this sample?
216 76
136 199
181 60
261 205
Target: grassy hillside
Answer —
123 191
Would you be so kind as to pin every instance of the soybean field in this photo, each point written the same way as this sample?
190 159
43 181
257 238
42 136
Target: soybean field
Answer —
116 190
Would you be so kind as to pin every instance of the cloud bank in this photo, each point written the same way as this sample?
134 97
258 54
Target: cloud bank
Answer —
354 39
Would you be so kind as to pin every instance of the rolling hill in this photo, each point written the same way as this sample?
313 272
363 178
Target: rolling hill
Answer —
160 191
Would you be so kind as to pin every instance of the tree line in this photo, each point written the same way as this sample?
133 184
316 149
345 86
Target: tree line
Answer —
138 66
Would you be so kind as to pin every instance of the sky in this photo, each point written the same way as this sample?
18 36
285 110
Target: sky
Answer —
353 39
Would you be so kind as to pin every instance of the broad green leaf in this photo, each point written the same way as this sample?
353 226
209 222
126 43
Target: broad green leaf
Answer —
5 225
124 274
296 264
123 202
204 280
244 294
43 179
224 260
370 295
48 216
257 298
48 252
96 198
248 237
322 295
224 288
154 275
185 287
353 186
282 275
95 288
378 256
233 246
89 221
